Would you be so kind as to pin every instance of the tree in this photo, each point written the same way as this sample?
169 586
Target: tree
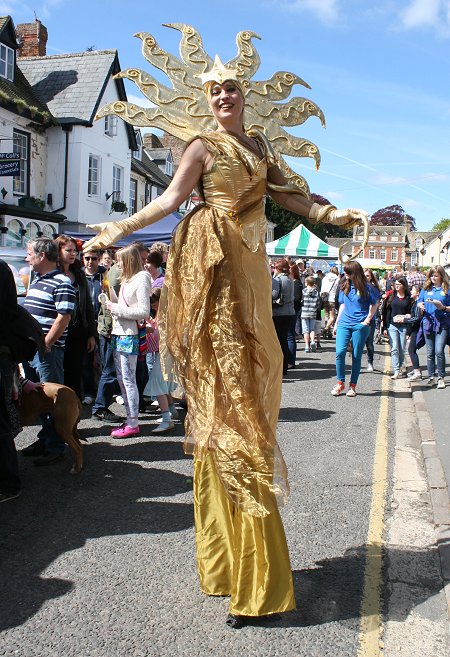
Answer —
393 215
285 220
441 225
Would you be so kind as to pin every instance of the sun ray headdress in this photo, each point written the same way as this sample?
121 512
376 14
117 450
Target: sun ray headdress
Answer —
183 110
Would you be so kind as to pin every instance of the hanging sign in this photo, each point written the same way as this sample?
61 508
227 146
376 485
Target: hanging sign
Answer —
9 164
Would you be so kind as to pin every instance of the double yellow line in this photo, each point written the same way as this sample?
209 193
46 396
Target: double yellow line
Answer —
370 639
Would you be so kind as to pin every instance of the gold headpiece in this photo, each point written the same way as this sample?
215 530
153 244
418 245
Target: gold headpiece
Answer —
218 73
182 110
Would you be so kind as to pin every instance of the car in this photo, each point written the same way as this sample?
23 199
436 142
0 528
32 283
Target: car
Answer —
16 259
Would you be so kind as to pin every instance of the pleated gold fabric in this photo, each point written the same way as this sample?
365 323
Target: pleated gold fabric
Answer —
238 554
215 320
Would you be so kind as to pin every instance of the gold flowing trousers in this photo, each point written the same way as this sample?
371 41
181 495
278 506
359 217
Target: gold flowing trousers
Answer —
239 555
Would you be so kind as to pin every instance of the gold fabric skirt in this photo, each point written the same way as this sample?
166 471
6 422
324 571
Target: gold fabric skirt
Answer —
239 555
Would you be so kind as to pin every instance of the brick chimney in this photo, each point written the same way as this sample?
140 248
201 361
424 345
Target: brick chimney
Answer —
33 39
151 141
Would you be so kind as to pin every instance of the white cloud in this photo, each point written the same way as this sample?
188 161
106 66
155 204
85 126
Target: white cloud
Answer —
427 14
324 10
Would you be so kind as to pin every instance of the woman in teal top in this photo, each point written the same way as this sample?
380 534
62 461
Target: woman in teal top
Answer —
434 301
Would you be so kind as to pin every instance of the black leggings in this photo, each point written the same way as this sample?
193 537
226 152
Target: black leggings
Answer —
281 323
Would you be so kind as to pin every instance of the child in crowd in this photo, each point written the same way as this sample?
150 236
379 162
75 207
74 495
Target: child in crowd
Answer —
157 386
309 311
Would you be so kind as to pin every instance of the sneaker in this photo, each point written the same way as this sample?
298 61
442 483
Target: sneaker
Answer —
87 400
369 367
105 415
35 449
431 381
415 376
351 392
125 431
48 459
119 400
313 347
338 389
163 427
307 350
6 497
175 415
440 383
172 417
396 375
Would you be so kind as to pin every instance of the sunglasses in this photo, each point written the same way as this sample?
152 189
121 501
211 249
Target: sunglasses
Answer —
90 258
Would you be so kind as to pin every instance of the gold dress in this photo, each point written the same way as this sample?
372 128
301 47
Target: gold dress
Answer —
216 325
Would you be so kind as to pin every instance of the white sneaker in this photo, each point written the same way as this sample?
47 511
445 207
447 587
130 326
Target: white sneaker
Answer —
415 376
173 416
431 381
87 399
164 426
369 367
119 400
396 375
441 383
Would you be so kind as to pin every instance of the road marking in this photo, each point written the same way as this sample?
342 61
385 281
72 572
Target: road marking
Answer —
370 643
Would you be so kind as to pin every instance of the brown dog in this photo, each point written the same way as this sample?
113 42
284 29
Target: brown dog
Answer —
64 406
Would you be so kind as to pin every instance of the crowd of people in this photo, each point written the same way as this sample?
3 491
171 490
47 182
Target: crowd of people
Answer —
409 309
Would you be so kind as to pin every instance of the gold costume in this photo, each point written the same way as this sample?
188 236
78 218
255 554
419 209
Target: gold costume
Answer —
216 322
215 313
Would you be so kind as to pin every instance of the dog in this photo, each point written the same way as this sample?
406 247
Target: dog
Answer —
65 407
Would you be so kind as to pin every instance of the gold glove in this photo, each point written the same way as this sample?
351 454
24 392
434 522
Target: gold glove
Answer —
112 231
330 215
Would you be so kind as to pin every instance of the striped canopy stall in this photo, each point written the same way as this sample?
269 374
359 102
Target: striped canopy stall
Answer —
302 243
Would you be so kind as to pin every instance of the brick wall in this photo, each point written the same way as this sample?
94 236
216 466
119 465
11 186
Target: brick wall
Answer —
33 37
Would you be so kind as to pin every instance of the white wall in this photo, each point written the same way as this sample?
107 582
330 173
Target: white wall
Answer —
83 141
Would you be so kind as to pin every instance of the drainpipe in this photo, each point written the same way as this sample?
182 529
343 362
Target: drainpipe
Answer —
66 129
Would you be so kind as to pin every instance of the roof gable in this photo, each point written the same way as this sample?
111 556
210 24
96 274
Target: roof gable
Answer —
8 32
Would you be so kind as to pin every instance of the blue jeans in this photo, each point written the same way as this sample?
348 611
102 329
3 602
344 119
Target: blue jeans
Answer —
358 335
107 385
436 352
292 345
369 343
397 341
49 369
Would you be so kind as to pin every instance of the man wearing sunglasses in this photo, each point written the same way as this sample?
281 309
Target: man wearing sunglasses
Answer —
107 385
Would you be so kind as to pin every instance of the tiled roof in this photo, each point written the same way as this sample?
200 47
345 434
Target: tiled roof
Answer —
3 21
158 153
149 169
19 97
71 84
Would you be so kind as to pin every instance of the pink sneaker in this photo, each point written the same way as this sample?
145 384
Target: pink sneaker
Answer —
125 431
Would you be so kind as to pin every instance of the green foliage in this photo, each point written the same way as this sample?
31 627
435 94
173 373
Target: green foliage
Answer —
441 225
285 221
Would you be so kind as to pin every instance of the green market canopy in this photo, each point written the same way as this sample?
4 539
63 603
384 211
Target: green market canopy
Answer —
302 243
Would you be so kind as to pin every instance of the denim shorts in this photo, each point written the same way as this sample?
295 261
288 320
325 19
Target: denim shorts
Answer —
308 324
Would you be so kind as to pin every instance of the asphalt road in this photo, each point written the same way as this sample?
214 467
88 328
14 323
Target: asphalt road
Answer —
102 564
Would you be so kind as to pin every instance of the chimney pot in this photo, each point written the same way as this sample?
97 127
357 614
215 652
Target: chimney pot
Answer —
33 39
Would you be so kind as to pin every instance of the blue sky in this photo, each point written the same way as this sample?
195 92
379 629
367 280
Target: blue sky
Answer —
379 71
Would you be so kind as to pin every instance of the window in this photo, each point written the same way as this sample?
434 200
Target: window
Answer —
419 242
6 62
133 195
94 175
32 230
372 254
168 169
414 258
111 126
394 255
138 154
148 195
14 235
383 254
21 146
117 183
394 237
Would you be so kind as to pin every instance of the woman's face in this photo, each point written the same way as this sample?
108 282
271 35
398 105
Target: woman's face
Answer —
67 254
119 264
106 260
368 276
400 288
225 101
436 279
